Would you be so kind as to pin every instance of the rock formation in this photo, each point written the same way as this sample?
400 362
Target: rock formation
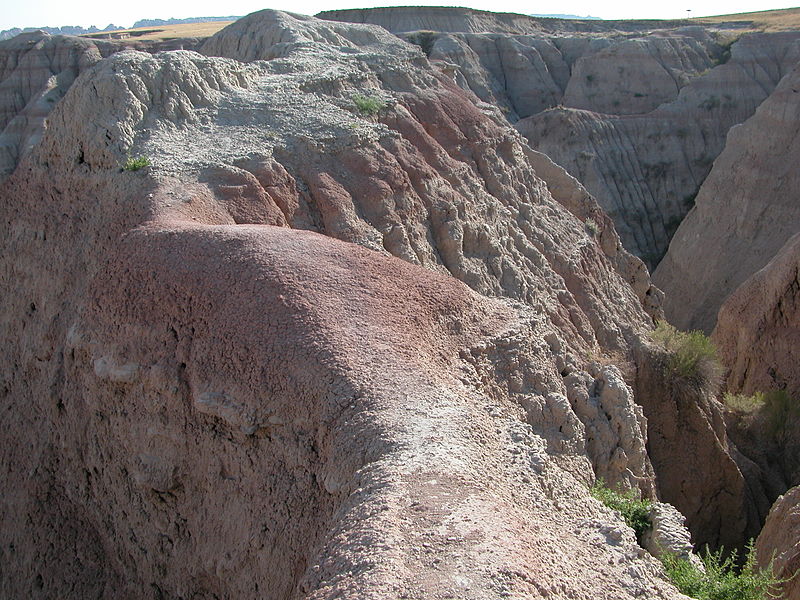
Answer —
756 334
36 70
745 212
757 326
707 486
213 392
634 111
646 169
779 542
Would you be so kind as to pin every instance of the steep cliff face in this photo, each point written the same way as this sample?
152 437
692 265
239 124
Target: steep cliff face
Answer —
212 395
646 169
724 505
756 334
36 70
611 73
779 542
745 212
757 327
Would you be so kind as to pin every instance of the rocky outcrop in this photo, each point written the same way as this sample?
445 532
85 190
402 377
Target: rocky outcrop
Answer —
36 70
755 335
745 212
707 486
779 543
667 534
214 392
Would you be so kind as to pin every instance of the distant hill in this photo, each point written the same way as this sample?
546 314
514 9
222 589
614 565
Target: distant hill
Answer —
159 22
66 30
77 30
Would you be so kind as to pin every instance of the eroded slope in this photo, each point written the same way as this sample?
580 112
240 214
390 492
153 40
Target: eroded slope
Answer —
208 400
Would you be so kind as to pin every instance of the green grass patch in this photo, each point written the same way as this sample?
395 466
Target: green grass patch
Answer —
634 510
368 105
722 579
134 164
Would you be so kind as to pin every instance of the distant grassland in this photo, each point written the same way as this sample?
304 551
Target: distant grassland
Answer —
766 20
164 32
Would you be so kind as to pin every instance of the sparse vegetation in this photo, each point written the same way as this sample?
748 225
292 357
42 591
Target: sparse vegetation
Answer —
722 580
775 407
710 103
779 407
634 510
134 164
692 355
743 403
591 226
368 105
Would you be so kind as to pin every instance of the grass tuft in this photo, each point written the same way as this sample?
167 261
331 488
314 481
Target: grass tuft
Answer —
134 164
722 580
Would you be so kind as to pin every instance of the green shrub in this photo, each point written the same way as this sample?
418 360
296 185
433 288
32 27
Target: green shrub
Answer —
779 408
742 403
692 355
722 580
368 105
591 226
635 511
134 164
776 408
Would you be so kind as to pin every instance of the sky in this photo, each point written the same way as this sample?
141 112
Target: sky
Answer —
57 13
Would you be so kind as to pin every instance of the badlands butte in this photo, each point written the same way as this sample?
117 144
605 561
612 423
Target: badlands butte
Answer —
376 310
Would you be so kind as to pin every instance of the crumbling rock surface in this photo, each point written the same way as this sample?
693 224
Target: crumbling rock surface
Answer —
745 212
637 114
36 70
668 534
779 542
211 395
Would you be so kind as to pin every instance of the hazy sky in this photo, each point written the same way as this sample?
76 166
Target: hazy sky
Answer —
53 13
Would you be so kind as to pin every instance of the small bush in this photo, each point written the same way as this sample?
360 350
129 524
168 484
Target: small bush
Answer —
742 403
692 355
591 226
779 407
635 511
722 580
134 164
368 105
